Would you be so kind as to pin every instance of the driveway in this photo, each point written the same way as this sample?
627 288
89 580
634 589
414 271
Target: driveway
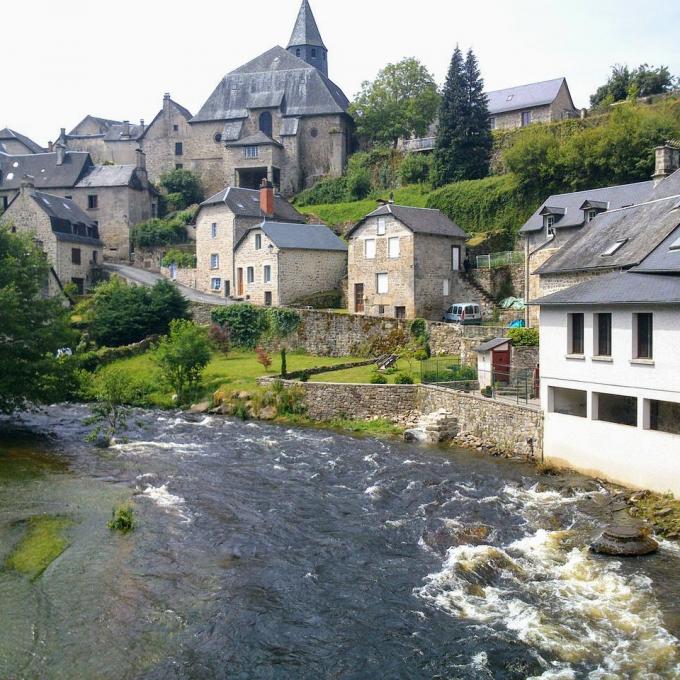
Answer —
147 278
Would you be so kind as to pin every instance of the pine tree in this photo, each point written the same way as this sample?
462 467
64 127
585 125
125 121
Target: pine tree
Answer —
463 146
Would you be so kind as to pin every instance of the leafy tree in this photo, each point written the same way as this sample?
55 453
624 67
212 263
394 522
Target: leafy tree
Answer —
185 183
624 83
463 145
246 323
33 327
220 336
182 355
402 101
282 323
415 168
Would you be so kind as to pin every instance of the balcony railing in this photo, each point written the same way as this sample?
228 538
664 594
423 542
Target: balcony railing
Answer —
493 260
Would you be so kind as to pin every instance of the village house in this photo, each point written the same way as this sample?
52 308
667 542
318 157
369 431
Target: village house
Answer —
65 233
405 262
280 263
115 197
13 142
107 141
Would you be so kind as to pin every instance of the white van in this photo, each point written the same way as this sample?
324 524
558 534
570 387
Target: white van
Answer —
463 313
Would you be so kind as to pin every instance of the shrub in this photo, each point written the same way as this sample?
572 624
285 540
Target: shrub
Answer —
414 168
122 519
378 379
418 328
158 232
246 322
403 379
183 186
524 337
358 185
220 337
291 401
263 358
332 190
180 258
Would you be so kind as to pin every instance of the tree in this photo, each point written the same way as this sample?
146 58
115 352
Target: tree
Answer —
182 355
33 327
183 187
624 83
282 323
463 145
401 102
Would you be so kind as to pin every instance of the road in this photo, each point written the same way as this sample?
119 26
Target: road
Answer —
147 278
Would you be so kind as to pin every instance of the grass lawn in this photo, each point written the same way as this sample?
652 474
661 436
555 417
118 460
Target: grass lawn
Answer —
362 374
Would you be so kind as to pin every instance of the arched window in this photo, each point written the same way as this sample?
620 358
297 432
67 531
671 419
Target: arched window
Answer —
297 51
266 123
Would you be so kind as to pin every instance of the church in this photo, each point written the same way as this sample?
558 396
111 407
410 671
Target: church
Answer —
278 117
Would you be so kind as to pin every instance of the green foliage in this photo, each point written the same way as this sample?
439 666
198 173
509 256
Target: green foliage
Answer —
358 185
121 314
436 371
418 328
281 324
33 327
624 83
184 186
378 379
246 323
291 401
402 101
524 337
159 232
464 141
182 355
220 337
181 258
122 519
403 379
332 190
415 168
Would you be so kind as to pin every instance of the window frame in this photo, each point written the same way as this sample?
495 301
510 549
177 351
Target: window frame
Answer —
93 201
213 279
267 273
258 241
214 261
381 226
366 253
251 151
640 353
250 275
382 276
576 334
598 339
213 230
390 241
76 256
179 149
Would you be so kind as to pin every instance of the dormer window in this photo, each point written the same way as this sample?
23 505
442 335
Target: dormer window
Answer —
313 53
614 247
297 51
549 221
591 214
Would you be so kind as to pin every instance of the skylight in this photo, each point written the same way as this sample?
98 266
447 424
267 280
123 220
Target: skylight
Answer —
614 247
509 97
675 245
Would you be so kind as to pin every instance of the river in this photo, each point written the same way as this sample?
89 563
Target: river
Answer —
270 552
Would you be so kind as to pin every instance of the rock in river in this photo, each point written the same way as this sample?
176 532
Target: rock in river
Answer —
625 540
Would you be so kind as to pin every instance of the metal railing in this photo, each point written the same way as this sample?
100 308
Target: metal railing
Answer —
493 260
418 144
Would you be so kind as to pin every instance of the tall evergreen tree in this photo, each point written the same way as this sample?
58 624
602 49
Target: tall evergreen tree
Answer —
463 146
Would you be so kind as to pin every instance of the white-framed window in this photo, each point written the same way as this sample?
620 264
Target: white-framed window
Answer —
250 274
213 230
445 287
381 226
258 241
267 273
393 246
215 283
591 214
250 151
381 286
549 221
643 335
369 248
526 118
492 122
214 261
611 249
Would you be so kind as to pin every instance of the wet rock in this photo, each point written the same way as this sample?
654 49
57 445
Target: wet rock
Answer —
267 413
201 407
415 435
664 512
443 538
103 441
625 540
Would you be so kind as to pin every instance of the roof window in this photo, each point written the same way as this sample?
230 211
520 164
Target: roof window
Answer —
675 245
509 97
614 247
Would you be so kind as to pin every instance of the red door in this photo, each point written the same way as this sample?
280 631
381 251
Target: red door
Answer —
500 360
358 298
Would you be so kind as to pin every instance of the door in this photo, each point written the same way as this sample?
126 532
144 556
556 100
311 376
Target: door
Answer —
455 258
500 360
268 298
400 312
359 298
239 281
227 289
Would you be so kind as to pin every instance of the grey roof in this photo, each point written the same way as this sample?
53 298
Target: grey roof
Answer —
643 227
44 169
289 127
662 259
491 344
115 132
111 176
305 31
572 203
670 186
246 203
6 133
418 220
232 130
618 288
69 222
275 76
524 96
299 236
104 124
184 111
258 139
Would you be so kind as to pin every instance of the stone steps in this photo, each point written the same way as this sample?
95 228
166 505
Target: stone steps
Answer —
434 428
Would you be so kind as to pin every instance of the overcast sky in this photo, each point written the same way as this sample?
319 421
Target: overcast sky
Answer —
63 59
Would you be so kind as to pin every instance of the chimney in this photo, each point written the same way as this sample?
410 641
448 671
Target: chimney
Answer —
62 135
61 152
667 161
267 198
140 159
27 184
126 128
166 102
50 146
141 123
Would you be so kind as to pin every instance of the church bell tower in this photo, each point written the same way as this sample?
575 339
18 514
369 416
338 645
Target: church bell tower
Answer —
305 41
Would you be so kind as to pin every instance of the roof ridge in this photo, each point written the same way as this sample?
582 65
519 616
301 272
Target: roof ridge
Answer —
537 82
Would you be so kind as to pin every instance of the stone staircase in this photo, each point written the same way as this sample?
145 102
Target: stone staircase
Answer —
433 428
472 290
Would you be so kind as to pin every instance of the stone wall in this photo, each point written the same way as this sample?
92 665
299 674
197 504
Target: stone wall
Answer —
501 282
524 358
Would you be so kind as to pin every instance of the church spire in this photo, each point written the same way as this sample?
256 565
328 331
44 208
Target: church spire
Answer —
305 41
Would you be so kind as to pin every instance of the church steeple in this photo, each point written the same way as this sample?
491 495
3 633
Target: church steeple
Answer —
305 41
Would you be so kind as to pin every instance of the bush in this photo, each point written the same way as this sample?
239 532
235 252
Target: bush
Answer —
418 328
524 337
378 379
291 401
332 190
220 337
246 322
358 185
180 258
263 358
122 519
183 186
158 232
415 168
403 379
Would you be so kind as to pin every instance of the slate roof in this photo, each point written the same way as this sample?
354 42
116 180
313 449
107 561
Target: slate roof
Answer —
299 236
305 31
44 169
184 111
69 222
246 203
492 344
618 288
662 259
572 203
115 133
670 186
276 75
104 123
643 227
111 176
6 133
257 139
524 96
418 220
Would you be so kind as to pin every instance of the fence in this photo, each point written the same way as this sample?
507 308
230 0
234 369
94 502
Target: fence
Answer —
418 144
493 260
446 372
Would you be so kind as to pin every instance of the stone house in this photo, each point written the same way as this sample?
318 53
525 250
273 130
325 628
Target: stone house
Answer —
66 234
116 197
221 222
519 106
107 141
406 262
279 263
13 142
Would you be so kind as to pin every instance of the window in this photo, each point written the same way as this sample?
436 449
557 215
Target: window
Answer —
217 137
250 151
266 125
179 166
267 273
603 335
214 261
664 416
393 246
568 402
549 221
5 202
492 122
381 284
400 312
268 298
215 283
178 149
381 226
313 53
175 128
69 197
575 329
643 330
258 241
445 287
297 51
369 248
673 246
250 274
213 230
92 202
591 215
614 247
381 309
455 258
94 257
75 255
615 408
79 283
526 118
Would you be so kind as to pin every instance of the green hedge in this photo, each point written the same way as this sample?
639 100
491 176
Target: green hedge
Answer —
246 323
524 337
180 258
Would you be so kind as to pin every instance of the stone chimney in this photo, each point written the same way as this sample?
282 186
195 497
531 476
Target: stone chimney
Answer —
140 159
267 198
60 150
667 161
27 184
126 128
62 135
50 146
141 123
166 102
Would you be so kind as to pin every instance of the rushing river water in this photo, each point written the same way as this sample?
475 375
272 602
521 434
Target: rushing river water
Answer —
266 552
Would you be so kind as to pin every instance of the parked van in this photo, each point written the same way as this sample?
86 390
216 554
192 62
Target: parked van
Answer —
464 313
